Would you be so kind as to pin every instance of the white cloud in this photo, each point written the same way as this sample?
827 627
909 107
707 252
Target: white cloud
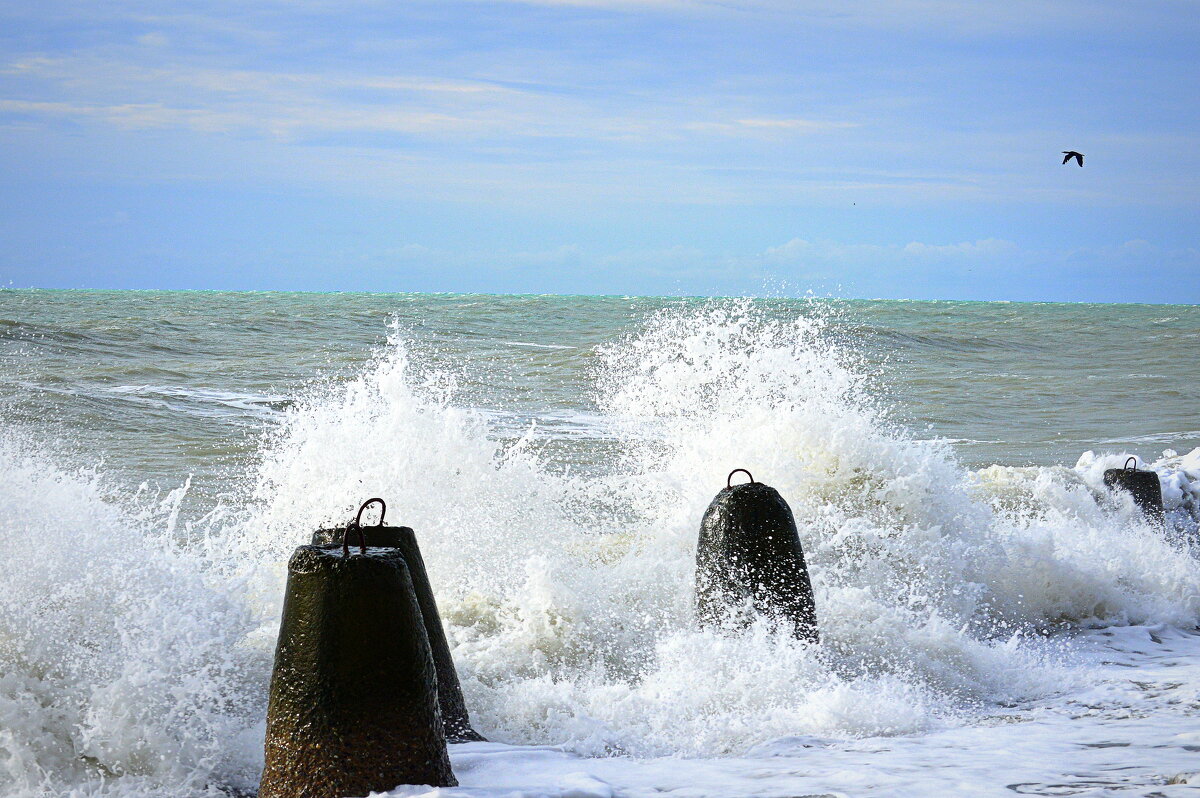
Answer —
292 104
154 39
962 17
523 116
985 248
768 126
799 250
629 4
283 122
794 124
985 268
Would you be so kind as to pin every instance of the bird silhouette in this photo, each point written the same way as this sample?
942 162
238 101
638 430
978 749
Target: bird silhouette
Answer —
1069 154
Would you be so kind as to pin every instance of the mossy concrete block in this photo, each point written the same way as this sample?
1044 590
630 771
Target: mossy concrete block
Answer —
354 704
454 708
749 551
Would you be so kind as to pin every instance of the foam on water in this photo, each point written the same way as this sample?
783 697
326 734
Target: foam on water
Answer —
139 663
201 401
126 669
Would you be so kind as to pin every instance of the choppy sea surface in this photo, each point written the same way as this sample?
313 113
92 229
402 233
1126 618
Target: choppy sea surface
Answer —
994 622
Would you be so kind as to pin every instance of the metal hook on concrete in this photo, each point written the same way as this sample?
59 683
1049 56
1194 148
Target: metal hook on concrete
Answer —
356 525
362 540
729 479
368 503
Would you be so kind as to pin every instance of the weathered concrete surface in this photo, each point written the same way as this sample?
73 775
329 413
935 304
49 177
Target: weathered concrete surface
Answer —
749 549
354 704
454 708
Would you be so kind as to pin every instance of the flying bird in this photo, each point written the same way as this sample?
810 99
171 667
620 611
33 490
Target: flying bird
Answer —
1069 154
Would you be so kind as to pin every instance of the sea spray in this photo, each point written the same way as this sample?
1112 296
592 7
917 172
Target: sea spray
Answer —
123 668
567 594
570 627
1179 480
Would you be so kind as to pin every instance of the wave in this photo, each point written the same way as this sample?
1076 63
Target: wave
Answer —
128 667
202 401
140 650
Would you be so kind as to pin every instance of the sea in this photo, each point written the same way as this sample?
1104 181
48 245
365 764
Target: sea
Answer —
993 620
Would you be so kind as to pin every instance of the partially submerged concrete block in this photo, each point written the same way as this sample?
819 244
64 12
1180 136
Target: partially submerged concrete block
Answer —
749 551
354 701
1144 486
453 707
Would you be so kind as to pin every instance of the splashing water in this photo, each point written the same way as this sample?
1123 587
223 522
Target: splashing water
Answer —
136 654
125 667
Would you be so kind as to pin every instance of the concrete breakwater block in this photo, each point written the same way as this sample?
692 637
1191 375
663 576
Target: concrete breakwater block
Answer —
454 709
354 702
749 550
1144 486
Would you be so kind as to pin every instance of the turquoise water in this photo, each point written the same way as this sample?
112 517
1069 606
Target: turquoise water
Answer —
993 619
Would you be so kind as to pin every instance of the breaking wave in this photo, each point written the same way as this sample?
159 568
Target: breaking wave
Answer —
137 649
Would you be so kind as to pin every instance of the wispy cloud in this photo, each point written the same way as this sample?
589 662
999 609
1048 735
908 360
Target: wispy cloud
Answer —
289 104
799 250
690 134
983 269
793 124
283 122
773 127
1015 17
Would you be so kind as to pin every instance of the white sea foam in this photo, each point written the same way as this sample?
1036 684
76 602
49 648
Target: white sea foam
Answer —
125 669
1178 476
201 401
569 599
141 665
532 345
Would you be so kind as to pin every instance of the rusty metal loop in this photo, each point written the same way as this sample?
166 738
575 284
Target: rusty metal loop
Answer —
1129 467
367 503
362 540
356 526
729 479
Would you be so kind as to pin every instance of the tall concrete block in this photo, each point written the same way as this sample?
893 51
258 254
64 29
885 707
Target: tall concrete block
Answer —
354 702
749 551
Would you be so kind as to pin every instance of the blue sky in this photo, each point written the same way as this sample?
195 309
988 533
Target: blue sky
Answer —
907 149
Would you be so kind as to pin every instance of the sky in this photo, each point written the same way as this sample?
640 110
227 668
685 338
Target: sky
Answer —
875 149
